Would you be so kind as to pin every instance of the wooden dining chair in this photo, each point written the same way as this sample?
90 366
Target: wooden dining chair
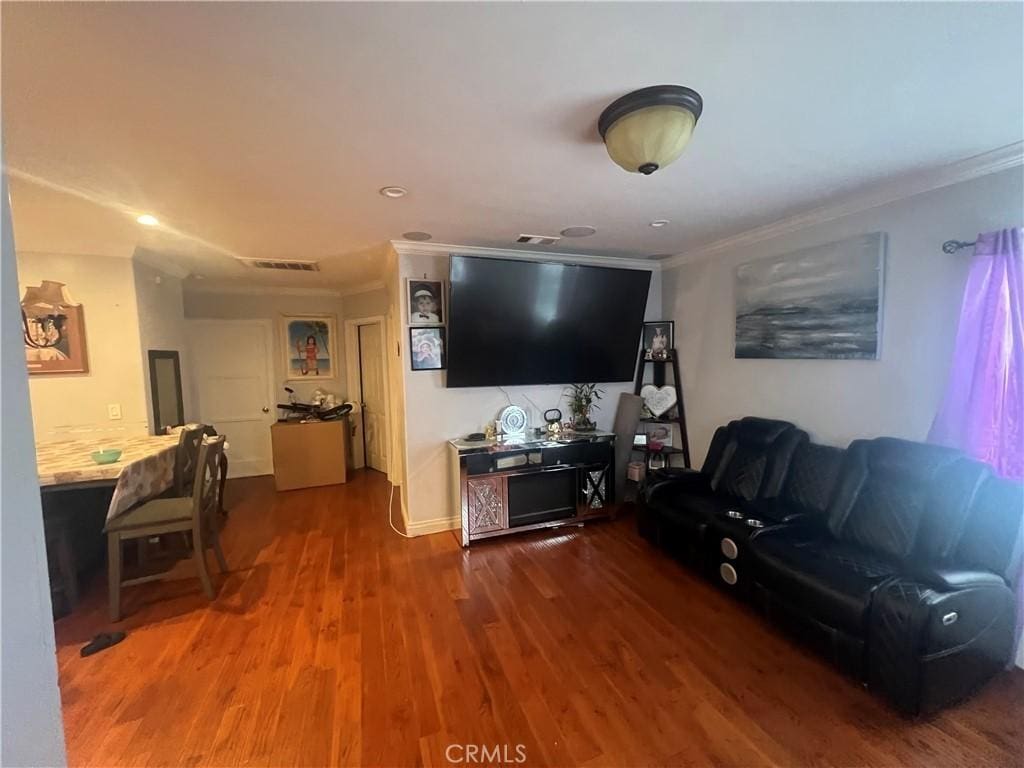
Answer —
195 515
186 458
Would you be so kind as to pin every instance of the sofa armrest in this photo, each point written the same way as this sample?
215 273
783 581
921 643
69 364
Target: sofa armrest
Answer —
931 642
689 480
951 579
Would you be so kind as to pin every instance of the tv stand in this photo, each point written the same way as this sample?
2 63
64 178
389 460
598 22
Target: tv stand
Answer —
501 486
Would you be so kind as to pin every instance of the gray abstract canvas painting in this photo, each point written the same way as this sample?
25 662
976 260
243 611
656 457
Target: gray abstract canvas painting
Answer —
817 303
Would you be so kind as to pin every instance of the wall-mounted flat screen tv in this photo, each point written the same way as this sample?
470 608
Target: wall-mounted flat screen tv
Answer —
526 322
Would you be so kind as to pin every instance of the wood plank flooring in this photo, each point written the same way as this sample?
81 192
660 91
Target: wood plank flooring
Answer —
336 642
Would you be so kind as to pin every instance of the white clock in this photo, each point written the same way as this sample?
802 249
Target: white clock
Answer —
512 420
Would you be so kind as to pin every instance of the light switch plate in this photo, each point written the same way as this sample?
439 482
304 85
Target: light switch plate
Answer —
114 411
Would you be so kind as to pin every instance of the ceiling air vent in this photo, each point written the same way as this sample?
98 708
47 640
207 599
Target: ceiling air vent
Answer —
287 265
537 239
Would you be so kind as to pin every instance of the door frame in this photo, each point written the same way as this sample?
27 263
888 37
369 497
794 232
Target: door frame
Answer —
268 329
354 381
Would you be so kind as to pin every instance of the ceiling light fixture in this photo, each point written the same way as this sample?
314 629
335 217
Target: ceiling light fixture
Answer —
578 231
148 219
394 192
659 223
419 236
647 129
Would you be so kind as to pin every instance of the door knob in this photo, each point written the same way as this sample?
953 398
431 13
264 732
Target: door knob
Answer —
265 409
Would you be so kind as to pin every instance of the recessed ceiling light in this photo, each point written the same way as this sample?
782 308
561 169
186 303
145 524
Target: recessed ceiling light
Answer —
659 223
417 235
148 219
578 231
394 192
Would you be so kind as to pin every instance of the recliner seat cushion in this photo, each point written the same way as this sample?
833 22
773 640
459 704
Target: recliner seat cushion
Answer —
829 580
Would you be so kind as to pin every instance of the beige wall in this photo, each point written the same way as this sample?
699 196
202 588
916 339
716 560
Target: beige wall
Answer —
435 414
839 400
161 308
70 404
366 303
271 306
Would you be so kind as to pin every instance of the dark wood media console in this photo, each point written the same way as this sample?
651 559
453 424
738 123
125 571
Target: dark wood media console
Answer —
506 486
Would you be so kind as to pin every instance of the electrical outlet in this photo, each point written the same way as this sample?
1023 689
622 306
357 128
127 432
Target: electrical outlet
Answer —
114 411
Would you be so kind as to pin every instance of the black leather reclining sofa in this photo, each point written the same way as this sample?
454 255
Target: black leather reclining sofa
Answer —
896 558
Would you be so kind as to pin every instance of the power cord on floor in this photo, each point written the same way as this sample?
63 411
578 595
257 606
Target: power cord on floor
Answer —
391 501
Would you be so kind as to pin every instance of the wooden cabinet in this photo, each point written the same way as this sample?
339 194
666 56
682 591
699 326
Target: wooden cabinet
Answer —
487 499
311 454
500 488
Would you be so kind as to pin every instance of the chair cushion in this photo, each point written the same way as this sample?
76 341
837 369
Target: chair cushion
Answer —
830 581
154 512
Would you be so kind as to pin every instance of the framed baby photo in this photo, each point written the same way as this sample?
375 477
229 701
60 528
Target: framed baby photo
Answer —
659 337
426 349
426 301
309 351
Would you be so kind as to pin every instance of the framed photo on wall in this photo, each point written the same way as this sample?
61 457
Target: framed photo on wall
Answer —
309 347
53 329
425 301
659 336
426 349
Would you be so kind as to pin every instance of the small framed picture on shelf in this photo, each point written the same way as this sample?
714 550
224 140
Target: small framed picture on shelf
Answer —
426 349
659 339
658 434
426 301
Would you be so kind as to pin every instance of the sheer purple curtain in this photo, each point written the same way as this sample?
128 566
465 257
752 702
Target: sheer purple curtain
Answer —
983 411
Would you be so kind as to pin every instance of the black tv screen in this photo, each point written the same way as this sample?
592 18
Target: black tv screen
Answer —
526 322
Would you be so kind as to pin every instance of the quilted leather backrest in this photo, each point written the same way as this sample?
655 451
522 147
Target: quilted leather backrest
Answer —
812 477
713 460
891 485
992 534
756 457
949 499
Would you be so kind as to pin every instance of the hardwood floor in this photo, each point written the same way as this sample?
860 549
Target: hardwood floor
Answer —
336 642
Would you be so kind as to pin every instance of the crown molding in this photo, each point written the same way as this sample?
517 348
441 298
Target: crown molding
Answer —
413 248
884 193
372 285
258 290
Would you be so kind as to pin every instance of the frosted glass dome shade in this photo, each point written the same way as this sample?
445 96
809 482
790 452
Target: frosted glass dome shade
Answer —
648 129
650 138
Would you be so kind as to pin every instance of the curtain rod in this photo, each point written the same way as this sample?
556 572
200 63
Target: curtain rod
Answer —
952 246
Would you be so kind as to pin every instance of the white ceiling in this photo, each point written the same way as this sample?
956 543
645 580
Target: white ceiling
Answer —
265 130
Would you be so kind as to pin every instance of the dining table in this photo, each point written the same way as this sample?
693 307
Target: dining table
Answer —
145 468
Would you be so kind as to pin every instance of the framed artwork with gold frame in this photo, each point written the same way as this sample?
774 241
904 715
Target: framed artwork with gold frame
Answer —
53 329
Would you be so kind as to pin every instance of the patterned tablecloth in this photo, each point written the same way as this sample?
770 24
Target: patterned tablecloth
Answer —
145 469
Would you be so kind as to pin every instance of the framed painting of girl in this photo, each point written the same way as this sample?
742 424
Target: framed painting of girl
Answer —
309 347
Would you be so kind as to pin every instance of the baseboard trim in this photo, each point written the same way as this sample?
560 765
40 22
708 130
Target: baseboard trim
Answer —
436 525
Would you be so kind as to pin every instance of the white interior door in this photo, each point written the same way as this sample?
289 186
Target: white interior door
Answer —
374 403
232 370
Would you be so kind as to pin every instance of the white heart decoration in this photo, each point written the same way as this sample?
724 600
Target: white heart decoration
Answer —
658 399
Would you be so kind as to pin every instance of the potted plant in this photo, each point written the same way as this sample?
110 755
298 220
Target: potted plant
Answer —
582 399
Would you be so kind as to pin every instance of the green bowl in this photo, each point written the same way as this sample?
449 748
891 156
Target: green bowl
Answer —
109 456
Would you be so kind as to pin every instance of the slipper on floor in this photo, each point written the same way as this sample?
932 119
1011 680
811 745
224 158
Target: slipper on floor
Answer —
102 641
